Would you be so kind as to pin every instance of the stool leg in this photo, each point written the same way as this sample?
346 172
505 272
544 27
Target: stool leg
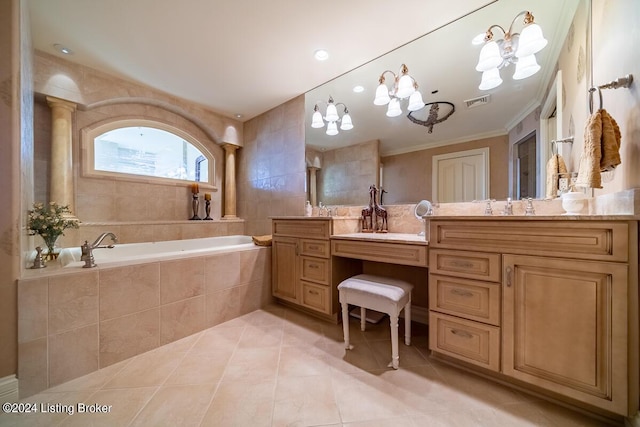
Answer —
363 318
407 323
345 325
395 358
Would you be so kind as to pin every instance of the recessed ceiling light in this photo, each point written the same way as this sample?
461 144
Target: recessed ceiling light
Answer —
62 49
358 89
238 116
321 55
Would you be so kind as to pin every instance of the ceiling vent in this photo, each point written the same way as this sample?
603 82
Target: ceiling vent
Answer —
476 102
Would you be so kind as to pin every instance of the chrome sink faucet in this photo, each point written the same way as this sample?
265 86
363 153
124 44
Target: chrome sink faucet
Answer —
508 207
87 249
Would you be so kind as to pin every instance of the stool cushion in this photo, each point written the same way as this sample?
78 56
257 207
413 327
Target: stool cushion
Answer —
385 287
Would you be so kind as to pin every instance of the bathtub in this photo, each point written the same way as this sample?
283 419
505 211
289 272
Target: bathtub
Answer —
136 253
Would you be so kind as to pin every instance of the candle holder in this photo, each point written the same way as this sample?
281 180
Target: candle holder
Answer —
195 205
207 210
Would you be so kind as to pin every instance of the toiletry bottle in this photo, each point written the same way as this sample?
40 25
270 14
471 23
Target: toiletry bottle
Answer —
308 209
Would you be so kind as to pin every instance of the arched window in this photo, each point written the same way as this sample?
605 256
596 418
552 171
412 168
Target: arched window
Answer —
144 149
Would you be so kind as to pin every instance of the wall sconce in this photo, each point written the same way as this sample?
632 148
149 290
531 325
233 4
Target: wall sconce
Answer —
331 118
404 86
514 48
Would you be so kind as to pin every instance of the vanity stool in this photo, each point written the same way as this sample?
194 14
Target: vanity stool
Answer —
381 294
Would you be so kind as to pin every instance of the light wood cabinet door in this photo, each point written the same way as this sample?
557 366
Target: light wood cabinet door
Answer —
284 274
565 328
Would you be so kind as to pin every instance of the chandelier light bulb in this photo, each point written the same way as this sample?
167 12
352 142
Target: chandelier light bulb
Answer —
332 129
316 120
489 57
394 109
332 112
415 101
405 87
490 79
531 41
382 95
525 67
346 123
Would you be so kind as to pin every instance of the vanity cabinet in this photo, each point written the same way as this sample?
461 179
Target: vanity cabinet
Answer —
301 262
551 305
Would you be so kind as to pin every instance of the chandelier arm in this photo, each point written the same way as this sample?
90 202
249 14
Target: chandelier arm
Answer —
346 110
489 34
381 79
526 13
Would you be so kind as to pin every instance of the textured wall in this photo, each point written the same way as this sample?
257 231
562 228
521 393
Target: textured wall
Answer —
347 173
271 172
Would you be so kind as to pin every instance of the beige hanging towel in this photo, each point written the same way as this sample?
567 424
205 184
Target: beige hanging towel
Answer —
589 171
555 165
611 139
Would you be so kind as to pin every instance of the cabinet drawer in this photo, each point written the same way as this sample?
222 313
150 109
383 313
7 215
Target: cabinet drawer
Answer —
314 248
597 240
394 253
470 299
316 297
315 270
311 228
470 265
466 340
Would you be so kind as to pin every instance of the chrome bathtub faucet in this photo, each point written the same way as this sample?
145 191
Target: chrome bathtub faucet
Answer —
87 249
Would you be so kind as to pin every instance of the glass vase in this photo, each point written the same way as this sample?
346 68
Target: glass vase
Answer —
52 250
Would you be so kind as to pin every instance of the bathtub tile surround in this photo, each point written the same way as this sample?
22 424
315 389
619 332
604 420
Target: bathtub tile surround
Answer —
298 375
77 321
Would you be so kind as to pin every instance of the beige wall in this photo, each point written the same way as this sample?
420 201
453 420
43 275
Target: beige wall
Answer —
271 167
616 53
347 173
407 176
136 211
15 116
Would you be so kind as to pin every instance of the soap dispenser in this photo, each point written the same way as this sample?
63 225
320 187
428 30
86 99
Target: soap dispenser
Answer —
308 209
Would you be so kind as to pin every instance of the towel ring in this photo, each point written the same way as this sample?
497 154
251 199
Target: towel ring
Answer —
593 89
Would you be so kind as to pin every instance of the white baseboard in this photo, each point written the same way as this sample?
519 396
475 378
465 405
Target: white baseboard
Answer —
9 389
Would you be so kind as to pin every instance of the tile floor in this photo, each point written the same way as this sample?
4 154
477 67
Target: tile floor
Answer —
278 367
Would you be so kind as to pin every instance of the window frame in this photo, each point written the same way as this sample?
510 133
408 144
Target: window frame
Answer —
87 141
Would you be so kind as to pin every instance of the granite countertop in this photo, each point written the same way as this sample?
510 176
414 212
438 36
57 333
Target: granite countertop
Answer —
413 239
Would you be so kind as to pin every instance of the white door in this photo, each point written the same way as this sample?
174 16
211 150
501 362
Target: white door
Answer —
461 176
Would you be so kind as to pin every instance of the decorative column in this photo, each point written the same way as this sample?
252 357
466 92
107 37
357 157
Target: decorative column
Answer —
61 172
313 188
230 181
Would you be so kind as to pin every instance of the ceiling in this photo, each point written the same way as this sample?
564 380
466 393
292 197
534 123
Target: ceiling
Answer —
242 58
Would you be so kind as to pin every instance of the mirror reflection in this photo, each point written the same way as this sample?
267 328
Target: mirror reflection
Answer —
495 129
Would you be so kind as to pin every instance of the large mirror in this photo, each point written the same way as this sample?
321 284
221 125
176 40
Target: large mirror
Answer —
443 64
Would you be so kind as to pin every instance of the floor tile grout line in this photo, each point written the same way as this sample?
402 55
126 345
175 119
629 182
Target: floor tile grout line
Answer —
215 392
158 387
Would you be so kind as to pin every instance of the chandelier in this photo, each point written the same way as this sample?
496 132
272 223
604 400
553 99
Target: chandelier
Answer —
514 48
331 117
404 86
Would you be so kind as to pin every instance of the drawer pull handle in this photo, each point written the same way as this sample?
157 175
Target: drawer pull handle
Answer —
314 266
463 334
461 292
509 271
462 264
314 292
313 247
